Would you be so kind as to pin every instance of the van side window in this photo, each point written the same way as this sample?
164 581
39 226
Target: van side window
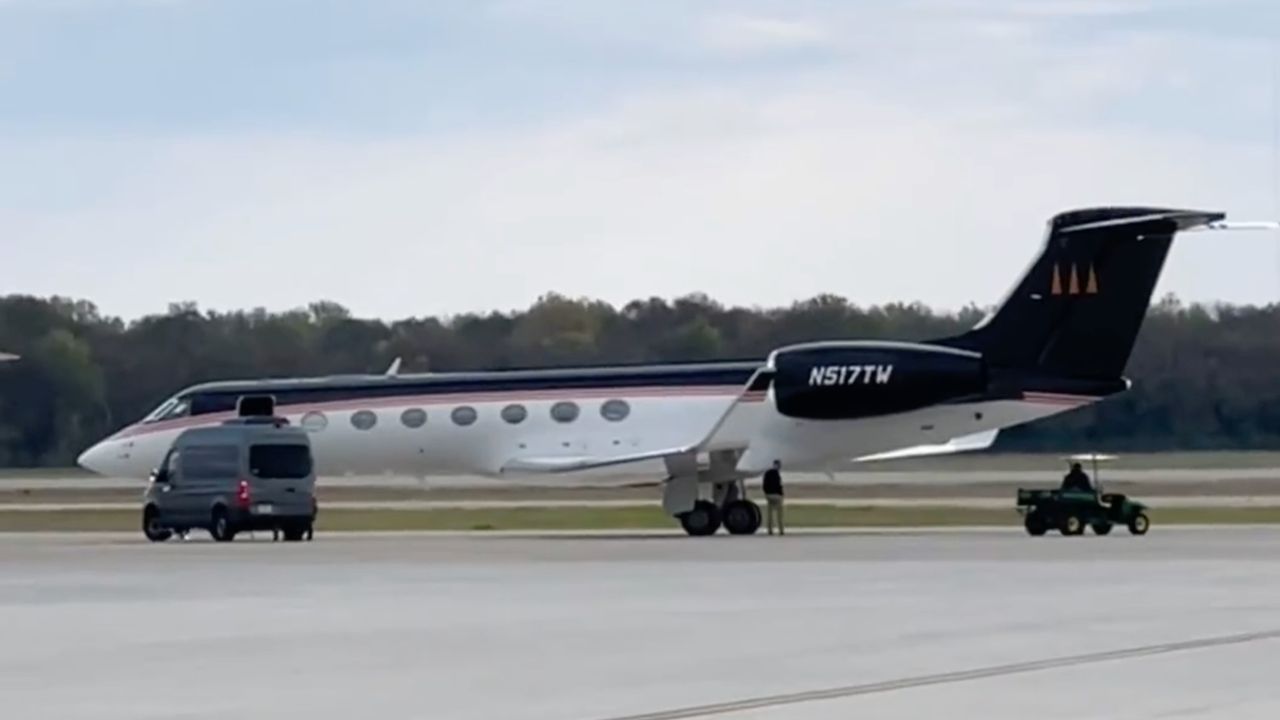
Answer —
280 462
210 462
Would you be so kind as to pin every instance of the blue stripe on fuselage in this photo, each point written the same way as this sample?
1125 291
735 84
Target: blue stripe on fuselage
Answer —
221 396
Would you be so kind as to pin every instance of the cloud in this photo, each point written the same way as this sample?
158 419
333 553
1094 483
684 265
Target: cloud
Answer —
806 192
745 34
881 153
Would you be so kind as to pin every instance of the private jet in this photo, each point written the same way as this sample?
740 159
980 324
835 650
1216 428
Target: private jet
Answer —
1059 340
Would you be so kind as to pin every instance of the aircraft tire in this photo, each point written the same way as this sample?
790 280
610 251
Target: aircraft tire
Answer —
742 517
704 519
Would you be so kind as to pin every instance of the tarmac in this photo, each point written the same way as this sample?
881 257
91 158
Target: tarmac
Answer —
1051 474
1181 623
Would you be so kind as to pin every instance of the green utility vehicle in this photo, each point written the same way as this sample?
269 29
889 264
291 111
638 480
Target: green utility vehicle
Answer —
1071 510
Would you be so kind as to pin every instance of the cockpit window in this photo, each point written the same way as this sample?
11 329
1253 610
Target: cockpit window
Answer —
168 410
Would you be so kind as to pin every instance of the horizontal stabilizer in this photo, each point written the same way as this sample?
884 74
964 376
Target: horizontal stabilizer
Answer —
1228 225
966 443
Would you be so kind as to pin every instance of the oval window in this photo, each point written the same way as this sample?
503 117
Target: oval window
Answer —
413 418
314 422
514 414
564 411
363 419
464 415
615 410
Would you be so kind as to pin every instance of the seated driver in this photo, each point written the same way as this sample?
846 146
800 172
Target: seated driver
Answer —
1077 480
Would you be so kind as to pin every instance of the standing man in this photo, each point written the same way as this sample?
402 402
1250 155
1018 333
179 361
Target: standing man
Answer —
773 494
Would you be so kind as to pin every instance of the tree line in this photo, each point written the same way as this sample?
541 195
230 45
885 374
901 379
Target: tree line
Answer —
1204 376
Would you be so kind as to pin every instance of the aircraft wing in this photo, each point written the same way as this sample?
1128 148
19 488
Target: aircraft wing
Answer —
564 463
965 443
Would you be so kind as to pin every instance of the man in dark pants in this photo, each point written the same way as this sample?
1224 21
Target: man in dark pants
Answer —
773 494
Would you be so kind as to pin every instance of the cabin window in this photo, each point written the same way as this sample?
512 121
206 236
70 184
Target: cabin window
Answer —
364 419
464 415
514 414
413 418
564 411
314 422
615 410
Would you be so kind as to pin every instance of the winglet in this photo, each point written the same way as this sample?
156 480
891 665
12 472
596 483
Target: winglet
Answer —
6 357
394 369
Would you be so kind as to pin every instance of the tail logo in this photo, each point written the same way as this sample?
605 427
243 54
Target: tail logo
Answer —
1071 286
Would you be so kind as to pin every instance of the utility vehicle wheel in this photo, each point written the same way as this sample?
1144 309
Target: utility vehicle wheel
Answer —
1138 524
1072 525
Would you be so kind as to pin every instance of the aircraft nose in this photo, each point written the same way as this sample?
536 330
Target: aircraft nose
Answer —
94 459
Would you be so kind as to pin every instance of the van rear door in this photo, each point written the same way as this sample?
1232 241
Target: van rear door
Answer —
281 475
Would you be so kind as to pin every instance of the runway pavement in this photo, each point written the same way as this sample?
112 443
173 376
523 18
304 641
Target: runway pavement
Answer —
991 624
1050 474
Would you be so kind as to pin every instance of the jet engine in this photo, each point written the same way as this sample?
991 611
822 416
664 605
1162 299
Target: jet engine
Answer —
856 379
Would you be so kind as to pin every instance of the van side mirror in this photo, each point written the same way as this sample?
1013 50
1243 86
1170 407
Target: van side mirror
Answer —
160 475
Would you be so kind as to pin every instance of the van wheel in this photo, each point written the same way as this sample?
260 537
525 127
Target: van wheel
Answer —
152 528
294 533
221 528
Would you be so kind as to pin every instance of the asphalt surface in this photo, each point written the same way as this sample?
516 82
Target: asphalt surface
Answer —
992 624
1051 474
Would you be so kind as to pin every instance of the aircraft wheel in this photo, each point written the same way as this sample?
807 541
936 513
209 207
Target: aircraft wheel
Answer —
702 520
1138 524
742 517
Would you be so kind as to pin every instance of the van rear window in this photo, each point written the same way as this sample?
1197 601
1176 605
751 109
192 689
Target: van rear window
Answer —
284 462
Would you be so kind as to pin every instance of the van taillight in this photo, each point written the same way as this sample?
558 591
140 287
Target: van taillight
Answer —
242 494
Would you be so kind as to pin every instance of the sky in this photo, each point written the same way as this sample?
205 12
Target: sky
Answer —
432 158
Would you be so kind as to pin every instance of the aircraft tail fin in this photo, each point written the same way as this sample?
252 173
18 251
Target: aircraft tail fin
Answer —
1077 310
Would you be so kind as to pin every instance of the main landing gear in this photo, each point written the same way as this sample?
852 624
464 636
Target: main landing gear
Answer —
729 508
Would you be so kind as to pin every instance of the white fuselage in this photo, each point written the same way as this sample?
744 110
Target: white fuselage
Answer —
345 443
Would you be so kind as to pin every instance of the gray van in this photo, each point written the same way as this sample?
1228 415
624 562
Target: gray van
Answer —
250 473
